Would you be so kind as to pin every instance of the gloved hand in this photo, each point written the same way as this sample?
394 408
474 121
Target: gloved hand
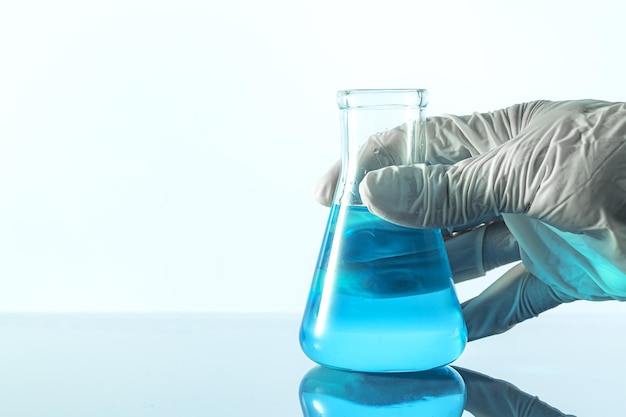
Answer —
544 182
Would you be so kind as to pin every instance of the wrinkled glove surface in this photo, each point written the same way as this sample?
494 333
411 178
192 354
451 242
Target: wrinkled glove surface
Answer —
554 172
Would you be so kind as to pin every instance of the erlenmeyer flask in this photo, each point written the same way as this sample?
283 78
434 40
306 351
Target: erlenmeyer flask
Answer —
382 297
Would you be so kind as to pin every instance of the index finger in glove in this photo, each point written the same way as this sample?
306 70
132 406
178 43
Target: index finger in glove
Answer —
448 139
505 179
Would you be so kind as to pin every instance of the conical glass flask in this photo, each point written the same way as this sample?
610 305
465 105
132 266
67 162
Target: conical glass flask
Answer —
382 297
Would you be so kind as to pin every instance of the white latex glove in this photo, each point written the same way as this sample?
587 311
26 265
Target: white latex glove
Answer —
555 172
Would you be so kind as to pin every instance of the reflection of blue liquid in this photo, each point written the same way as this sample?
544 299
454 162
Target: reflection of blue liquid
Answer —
326 392
382 298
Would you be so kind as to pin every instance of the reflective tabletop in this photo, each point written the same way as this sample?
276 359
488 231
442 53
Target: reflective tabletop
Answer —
248 364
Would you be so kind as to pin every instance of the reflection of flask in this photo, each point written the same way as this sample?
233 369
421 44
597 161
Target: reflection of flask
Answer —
326 392
382 297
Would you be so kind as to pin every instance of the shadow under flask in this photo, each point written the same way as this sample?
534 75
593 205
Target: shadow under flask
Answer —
382 297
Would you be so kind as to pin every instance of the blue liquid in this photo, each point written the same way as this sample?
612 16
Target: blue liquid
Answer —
382 298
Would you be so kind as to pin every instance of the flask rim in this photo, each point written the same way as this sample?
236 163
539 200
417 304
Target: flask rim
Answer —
382 98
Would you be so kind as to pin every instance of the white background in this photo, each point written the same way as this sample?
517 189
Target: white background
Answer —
160 155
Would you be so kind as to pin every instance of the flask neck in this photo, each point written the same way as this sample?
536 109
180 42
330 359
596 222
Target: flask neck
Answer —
375 134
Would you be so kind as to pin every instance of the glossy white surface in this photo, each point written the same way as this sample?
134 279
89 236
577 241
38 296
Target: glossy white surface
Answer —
251 365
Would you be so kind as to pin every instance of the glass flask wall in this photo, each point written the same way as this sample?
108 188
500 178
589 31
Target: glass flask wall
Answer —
382 297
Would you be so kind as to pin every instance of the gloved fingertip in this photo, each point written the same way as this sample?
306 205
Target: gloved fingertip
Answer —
381 193
367 190
324 188
322 195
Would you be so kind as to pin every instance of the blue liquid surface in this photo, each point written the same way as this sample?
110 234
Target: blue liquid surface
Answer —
382 298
